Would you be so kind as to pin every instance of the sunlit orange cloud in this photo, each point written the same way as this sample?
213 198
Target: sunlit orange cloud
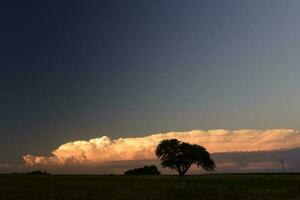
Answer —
105 149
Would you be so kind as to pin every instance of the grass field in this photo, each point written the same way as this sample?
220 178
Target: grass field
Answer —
228 186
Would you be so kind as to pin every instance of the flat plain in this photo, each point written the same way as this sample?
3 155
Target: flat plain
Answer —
113 187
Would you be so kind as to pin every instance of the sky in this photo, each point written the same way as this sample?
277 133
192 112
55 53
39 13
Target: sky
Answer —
81 70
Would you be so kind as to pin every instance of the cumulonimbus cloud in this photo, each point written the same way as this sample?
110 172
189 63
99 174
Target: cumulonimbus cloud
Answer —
105 149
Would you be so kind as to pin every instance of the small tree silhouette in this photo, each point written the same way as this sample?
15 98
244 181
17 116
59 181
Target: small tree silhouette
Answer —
180 156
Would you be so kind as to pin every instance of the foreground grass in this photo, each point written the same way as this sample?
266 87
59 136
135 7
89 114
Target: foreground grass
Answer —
208 187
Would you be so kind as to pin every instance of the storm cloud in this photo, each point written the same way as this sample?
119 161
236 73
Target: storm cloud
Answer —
105 149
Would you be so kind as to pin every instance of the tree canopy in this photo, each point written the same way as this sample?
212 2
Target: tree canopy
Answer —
179 156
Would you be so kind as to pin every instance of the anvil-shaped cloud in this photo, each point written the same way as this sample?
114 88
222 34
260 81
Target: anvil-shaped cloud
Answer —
105 149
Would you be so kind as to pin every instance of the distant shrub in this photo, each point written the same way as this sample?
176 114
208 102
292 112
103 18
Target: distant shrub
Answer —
146 170
38 172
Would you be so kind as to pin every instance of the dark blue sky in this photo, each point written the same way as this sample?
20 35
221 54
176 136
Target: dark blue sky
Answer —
82 69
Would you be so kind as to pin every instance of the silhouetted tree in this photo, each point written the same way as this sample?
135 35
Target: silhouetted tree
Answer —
146 170
180 156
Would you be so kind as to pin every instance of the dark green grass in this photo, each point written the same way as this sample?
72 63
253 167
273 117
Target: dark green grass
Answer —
227 186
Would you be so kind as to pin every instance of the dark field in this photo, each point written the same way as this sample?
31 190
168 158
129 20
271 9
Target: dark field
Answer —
228 186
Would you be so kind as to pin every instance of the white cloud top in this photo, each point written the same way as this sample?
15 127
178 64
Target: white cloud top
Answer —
105 149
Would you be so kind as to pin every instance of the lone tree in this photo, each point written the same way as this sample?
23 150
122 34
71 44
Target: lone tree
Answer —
180 156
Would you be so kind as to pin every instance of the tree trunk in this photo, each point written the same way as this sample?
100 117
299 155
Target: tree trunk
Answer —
183 170
181 173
